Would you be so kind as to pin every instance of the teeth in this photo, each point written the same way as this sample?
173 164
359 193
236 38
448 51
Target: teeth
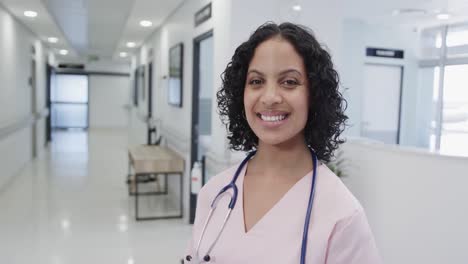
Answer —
272 118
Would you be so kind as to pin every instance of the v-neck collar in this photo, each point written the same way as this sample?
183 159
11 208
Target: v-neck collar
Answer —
272 210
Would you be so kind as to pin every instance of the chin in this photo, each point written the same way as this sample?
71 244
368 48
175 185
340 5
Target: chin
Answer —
277 140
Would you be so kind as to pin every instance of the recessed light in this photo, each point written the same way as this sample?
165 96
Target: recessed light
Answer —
146 23
65 224
297 8
443 16
52 39
131 44
123 54
123 218
63 52
123 227
30 13
408 11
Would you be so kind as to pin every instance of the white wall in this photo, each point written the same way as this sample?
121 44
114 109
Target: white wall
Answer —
108 98
108 66
16 94
416 202
174 123
137 128
41 93
360 35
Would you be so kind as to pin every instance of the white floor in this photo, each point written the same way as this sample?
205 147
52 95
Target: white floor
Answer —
70 206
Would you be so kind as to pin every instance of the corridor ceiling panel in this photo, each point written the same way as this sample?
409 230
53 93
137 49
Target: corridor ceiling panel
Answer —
97 29
100 29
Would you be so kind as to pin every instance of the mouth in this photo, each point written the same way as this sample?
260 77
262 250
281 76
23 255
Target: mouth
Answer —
273 118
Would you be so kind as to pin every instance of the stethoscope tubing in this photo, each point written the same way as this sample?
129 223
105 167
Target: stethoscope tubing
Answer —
232 203
305 233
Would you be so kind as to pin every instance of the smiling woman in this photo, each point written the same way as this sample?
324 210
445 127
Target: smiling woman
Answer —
280 102
315 69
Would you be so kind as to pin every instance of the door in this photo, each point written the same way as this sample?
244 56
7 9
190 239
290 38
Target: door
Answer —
201 104
32 83
151 127
454 127
49 73
381 103
69 101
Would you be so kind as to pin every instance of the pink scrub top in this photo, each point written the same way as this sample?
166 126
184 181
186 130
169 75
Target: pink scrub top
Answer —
338 232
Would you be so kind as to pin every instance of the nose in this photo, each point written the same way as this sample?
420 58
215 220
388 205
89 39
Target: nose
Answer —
271 95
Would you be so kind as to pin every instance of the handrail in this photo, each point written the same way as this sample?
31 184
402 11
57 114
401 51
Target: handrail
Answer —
24 122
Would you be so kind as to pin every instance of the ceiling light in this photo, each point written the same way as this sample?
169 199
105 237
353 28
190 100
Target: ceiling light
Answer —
123 227
409 12
146 23
297 8
123 54
443 16
131 44
30 13
65 224
63 52
52 39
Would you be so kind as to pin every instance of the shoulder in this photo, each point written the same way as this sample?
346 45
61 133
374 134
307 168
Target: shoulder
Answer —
350 237
334 197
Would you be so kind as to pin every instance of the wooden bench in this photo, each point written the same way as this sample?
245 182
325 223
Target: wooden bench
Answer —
148 161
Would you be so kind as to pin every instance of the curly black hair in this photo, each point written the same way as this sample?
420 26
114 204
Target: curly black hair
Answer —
326 119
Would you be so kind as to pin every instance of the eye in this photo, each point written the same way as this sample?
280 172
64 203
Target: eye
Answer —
290 83
255 81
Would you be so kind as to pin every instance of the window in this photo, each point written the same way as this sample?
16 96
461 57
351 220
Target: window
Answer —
444 72
454 134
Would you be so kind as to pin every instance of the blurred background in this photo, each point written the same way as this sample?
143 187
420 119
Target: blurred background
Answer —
83 82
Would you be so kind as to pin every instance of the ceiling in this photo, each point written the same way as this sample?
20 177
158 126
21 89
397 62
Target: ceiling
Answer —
415 13
92 29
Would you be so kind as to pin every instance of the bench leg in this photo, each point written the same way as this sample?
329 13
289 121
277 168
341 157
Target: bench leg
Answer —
181 200
136 196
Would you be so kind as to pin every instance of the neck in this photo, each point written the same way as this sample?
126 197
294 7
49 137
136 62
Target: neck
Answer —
291 158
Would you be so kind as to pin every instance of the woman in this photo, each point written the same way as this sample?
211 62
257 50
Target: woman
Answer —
280 97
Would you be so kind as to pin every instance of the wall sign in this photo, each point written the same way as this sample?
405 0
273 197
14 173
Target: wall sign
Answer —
386 53
203 14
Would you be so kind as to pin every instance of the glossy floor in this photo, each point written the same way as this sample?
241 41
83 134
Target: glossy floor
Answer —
71 206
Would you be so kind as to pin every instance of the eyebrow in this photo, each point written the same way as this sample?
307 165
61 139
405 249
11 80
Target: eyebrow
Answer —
281 73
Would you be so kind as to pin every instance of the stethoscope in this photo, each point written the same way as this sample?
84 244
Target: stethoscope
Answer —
232 203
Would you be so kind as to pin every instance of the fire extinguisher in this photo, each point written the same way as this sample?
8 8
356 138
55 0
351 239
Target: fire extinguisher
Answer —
196 178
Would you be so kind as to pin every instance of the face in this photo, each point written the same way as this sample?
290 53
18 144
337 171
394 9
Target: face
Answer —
276 95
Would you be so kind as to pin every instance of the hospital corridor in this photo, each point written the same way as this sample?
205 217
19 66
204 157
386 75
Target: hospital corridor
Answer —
222 131
70 206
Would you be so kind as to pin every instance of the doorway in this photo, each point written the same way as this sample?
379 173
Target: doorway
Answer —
32 83
381 104
50 73
201 105
69 102
151 127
